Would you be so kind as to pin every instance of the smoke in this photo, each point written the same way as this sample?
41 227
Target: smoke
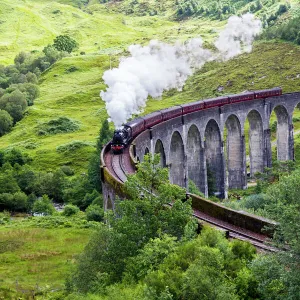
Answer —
151 70
238 36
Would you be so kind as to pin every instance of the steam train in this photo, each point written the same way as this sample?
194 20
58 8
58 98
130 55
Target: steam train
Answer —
122 137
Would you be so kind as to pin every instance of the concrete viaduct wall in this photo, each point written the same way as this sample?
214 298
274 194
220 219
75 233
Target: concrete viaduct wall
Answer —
192 146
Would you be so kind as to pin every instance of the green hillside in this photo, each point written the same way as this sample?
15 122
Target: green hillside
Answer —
69 91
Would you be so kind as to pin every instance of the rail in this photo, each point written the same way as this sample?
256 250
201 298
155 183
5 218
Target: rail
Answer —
236 224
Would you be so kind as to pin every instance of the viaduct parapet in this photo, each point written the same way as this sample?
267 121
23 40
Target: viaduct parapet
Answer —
192 146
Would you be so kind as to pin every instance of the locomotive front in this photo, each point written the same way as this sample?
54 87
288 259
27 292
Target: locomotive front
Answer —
119 141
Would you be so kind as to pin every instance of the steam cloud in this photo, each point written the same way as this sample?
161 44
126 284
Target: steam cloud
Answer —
158 67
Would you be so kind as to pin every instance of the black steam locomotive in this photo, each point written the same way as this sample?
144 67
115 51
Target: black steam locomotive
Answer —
122 137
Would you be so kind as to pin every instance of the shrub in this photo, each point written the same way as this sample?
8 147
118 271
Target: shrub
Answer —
60 125
95 213
70 210
65 43
67 170
72 146
43 206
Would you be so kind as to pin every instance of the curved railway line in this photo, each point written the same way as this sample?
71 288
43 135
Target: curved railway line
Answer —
120 166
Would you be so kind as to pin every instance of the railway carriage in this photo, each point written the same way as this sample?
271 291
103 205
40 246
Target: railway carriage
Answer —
122 137
216 102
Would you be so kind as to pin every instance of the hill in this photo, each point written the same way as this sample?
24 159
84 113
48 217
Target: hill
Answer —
71 87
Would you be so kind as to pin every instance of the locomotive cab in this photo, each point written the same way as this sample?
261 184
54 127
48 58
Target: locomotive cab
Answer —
119 141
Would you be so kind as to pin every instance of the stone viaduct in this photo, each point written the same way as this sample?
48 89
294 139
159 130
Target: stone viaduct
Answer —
192 146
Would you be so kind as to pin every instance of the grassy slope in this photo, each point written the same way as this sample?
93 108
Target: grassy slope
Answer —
34 258
76 95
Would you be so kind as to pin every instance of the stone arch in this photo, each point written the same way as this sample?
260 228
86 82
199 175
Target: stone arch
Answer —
214 159
159 149
282 132
256 142
177 160
195 158
234 153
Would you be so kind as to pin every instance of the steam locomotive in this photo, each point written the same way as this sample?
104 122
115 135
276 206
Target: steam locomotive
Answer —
122 137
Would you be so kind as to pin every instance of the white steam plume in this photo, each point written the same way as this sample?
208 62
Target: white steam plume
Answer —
238 36
158 67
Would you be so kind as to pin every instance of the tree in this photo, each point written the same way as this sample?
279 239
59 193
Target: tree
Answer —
6 122
145 216
15 104
70 210
282 269
65 43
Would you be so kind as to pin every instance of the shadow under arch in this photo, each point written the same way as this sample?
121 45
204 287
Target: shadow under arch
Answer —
177 160
214 159
195 158
256 142
109 204
159 149
235 166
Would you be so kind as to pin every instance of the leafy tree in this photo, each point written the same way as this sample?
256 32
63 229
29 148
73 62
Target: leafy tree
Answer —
43 206
15 104
65 43
278 275
133 224
6 122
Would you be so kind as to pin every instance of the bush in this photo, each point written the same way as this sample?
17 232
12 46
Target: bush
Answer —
67 170
72 146
43 206
95 213
70 210
60 125
65 43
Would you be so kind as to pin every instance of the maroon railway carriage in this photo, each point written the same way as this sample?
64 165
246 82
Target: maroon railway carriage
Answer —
192 107
153 119
171 113
135 127
241 97
268 93
215 102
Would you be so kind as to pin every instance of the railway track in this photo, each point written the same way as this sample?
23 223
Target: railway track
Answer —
120 167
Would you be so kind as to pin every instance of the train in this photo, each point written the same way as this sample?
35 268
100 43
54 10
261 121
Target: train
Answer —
123 136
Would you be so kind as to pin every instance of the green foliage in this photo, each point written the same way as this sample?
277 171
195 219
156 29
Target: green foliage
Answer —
6 122
67 170
70 210
72 146
60 125
132 225
15 104
94 172
15 202
65 43
43 206
95 212
288 31
193 189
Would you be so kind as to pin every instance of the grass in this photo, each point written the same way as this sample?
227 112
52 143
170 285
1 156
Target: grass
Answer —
36 259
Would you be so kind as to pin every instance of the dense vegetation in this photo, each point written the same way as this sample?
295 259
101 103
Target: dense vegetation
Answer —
50 113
